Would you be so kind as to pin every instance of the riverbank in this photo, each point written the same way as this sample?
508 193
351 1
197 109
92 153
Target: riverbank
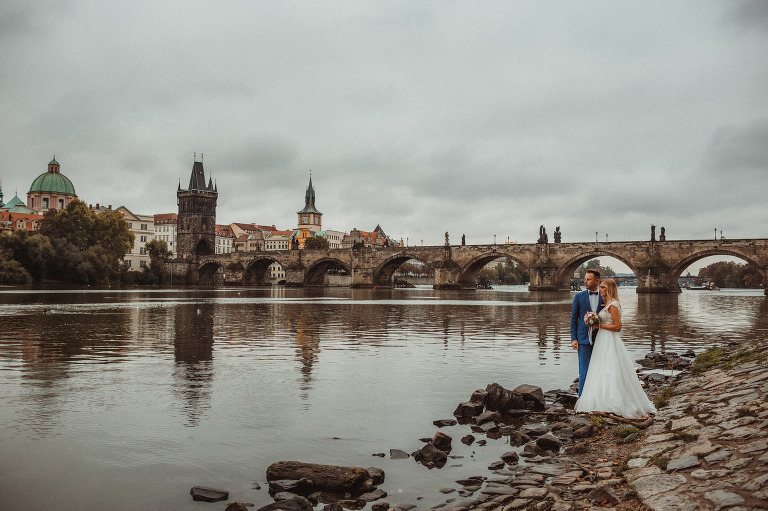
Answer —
706 449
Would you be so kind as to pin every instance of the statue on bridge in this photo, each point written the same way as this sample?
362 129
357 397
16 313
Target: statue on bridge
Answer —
558 234
463 240
663 235
542 235
446 239
653 233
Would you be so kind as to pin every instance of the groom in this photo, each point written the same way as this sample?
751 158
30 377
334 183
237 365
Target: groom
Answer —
583 302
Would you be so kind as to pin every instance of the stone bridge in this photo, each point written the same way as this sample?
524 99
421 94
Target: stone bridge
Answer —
657 264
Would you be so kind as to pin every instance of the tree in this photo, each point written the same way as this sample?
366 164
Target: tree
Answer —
33 252
158 255
731 274
316 243
594 264
89 247
486 275
12 272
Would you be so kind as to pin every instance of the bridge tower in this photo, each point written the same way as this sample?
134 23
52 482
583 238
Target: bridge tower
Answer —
309 217
196 230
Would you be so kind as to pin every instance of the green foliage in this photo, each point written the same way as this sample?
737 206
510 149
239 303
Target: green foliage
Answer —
88 247
662 399
32 251
707 360
594 264
509 273
731 274
598 422
316 243
622 432
12 272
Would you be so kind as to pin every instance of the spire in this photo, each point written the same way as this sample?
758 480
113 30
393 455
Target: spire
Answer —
309 199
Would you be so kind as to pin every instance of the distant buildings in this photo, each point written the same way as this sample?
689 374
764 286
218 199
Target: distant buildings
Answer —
143 228
50 190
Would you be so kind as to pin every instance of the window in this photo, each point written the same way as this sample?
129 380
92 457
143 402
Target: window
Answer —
143 239
317 220
143 264
142 250
130 225
143 227
45 203
129 261
303 220
61 203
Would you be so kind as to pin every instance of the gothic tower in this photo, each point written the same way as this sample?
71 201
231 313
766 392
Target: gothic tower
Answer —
309 217
196 229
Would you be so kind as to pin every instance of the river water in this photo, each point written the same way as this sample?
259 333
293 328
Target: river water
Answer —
124 400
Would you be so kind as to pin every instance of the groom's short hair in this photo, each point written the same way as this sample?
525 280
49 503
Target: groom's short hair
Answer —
594 272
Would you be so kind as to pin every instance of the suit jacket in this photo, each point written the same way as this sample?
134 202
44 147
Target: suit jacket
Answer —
579 329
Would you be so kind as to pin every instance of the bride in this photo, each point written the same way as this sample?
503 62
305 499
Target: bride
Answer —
612 384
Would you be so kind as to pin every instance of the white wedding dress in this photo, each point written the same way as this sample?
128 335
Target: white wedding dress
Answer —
612 384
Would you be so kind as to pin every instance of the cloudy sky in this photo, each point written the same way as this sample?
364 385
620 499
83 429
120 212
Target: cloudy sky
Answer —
483 118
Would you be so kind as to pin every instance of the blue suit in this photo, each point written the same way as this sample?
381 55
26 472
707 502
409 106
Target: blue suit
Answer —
580 331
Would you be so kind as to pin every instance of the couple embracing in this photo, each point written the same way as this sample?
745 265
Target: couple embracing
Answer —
607 378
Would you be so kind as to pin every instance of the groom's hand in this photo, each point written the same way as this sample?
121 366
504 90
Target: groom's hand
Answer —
575 345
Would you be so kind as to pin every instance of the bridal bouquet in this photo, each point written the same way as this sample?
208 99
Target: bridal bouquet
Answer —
591 318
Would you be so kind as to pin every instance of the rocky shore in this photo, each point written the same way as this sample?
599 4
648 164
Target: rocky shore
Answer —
706 448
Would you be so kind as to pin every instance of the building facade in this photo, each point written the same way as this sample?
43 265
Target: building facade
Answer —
143 229
225 239
165 230
196 226
50 190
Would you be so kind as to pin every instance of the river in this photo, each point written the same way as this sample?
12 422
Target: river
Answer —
125 399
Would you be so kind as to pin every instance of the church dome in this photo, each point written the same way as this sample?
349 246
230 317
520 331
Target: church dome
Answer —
52 181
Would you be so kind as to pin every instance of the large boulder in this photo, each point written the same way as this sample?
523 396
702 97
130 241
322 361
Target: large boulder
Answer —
502 400
288 505
533 397
468 410
442 442
430 456
323 477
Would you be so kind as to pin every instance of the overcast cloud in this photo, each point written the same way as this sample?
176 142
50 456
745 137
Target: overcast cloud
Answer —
482 118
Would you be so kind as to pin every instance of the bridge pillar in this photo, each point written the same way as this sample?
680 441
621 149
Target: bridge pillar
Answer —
448 276
294 276
544 278
656 278
362 277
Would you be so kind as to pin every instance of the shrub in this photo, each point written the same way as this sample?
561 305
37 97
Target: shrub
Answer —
662 400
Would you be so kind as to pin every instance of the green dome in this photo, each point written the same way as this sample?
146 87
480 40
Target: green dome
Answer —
52 182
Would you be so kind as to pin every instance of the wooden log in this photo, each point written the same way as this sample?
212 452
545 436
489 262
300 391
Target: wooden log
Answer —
327 477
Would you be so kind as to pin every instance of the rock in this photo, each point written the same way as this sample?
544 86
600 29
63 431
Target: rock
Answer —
534 430
380 506
637 462
506 430
468 410
548 442
672 502
335 506
534 493
236 506
374 495
288 505
510 458
468 440
530 450
487 417
685 423
756 483
489 427
397 454
482 442
442 442
430 456
445 422
722 498
753 447
579 448
683 463
603 494
699 447
496 465
567 397
256 486
285 496
649 486
377 475
533 395
329 477
583 432
205 494
516 439
501 400
545 469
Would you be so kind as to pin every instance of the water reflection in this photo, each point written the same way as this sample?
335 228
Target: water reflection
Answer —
193 357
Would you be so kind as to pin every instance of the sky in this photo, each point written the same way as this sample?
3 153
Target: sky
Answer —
487 119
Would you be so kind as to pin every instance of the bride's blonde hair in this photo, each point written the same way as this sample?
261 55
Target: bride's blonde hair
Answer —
611 290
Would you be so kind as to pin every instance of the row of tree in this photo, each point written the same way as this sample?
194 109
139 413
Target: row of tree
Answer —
730 274
77 246
509 273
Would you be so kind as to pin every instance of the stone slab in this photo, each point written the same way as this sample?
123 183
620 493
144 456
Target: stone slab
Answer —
722 498
649 486
683 463
685 423
699 447
675 502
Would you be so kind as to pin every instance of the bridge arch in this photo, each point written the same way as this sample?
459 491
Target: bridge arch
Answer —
255 273
315 274
678 268
565 272
383 273
468 276
209 273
